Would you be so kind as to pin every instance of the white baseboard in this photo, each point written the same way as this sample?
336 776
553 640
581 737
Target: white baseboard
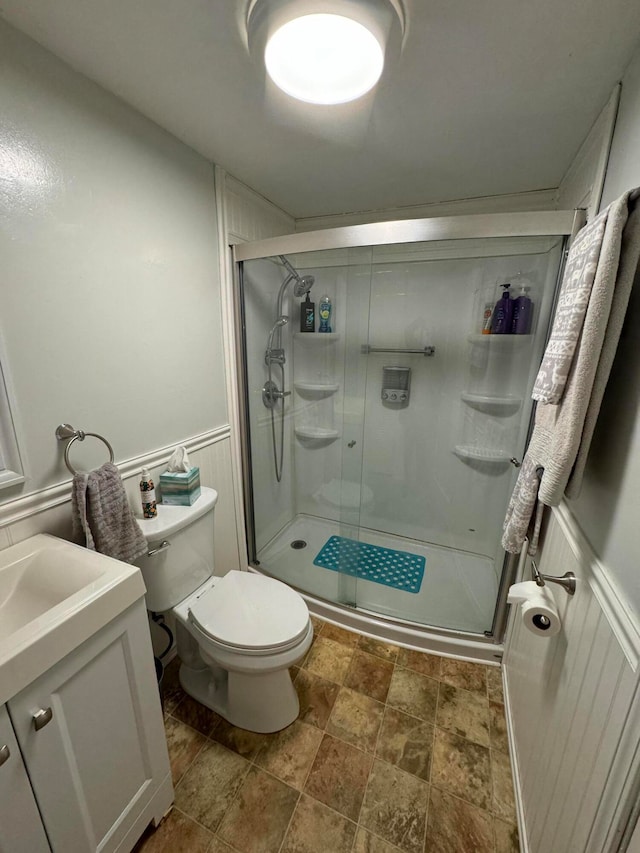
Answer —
517 789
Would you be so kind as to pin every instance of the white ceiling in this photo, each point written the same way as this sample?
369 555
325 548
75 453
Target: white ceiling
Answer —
488 97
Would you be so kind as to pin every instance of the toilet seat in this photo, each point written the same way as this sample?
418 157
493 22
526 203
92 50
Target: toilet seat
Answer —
250 613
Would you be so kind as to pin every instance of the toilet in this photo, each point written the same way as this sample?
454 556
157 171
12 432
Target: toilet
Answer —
236 635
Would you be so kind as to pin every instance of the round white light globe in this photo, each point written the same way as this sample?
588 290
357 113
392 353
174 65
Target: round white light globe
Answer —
324 59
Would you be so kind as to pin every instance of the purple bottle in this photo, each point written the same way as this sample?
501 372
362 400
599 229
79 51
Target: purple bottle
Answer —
522 313
503 314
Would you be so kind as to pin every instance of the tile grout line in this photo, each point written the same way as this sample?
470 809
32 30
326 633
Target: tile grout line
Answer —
373 760
290 821
193 819
433 751
196 756
235 796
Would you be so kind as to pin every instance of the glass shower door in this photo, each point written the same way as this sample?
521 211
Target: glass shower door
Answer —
446 409
398 427
328 416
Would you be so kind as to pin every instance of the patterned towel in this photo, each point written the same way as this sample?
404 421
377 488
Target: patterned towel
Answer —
573 301
102 517
556 457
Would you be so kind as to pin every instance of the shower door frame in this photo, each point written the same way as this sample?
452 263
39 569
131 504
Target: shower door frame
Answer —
557 223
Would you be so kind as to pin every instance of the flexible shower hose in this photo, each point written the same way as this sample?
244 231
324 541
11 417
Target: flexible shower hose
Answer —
278 465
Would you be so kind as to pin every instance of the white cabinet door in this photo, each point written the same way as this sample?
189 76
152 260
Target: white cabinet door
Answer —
100 754
20 823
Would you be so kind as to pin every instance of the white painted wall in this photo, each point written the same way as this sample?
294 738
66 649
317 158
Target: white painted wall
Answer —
583 181
109 300
609 506
250 216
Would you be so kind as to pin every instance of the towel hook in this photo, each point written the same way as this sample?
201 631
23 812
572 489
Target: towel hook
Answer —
65 432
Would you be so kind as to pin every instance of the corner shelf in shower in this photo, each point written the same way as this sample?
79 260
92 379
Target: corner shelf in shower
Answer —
316 433
314 337
316 387
481 454
492 405
500 340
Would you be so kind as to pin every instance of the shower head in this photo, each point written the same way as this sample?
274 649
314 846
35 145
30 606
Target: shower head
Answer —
303 285
279 323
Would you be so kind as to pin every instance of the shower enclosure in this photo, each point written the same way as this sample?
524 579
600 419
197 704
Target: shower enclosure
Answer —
379 458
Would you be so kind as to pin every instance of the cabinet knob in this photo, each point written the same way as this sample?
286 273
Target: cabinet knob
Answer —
5 752
41 718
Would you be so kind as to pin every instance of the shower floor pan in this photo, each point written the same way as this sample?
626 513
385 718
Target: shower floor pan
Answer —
458 591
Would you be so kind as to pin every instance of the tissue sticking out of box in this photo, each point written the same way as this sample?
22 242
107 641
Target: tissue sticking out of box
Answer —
179 462
180 483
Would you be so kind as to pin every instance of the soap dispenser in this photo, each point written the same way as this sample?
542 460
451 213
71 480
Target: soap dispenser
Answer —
502 321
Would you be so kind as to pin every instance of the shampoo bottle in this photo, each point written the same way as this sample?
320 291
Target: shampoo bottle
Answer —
503 314
522 312
148 495
307 315
325 314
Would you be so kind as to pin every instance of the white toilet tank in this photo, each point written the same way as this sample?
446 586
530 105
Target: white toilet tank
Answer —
182 538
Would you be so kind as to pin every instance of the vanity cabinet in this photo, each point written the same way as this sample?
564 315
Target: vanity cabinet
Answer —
21 830
90 731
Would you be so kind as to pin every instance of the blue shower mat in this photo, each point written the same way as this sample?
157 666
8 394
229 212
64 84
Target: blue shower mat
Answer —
398 569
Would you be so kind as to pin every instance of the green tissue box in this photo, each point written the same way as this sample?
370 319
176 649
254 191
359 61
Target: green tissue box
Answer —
180 489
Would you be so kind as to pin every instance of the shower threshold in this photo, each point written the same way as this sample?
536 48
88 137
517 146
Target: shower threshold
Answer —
448 616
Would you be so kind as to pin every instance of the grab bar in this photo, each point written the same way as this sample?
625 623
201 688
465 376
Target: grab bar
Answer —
365 349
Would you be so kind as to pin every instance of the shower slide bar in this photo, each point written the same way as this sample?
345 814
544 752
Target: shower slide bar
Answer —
365 349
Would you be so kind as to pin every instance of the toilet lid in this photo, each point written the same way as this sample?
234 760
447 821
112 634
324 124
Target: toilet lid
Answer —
250 611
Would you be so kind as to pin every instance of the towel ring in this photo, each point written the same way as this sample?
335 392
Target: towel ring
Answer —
66 431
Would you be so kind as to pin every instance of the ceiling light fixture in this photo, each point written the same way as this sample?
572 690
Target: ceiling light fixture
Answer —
325 51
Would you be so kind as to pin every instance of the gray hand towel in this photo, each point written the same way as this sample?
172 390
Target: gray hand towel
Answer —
102 517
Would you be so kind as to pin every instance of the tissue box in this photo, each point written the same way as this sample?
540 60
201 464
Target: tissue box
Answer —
180 489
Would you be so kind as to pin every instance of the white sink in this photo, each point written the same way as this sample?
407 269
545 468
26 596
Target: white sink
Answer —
53 596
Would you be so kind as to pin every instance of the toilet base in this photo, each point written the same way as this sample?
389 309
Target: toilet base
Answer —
261 703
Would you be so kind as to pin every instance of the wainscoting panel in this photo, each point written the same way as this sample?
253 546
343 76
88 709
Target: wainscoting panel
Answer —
49 511
568 700
250 216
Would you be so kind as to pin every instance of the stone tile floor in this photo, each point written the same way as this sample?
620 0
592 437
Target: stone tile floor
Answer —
394 751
